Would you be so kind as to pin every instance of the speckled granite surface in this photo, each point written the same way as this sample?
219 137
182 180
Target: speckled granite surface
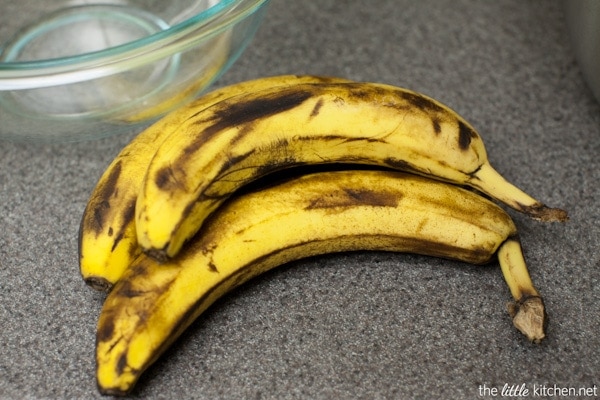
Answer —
364 325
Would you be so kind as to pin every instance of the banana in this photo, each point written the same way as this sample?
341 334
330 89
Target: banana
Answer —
212 154
309 215
107 234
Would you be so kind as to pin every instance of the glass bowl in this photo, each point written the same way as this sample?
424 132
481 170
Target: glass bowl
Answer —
80 69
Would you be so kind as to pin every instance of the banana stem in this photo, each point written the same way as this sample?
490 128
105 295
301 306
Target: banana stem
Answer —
489 181
527 311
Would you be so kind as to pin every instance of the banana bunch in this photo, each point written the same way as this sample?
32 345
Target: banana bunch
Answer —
108 239
264 172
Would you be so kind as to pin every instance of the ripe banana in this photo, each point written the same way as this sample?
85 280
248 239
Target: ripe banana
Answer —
107 235
212 154
310 215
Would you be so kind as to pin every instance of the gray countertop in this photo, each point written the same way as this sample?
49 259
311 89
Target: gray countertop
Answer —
359 325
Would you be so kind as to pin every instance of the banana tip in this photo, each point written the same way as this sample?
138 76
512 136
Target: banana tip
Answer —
546 214
112 392
98 283
529 317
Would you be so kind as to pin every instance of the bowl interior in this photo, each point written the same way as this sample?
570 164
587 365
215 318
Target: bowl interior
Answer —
36 34
74 66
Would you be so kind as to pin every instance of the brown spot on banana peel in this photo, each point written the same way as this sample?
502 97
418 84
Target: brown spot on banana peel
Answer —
437 127
166 179
231 114
372 198
121 364
106 330
421 102
139 268
162 178
317 108
348 198
212 267
465 135
100 204
438 113
134 249
402 165
120 367
415 101
341 138
99 216
127 217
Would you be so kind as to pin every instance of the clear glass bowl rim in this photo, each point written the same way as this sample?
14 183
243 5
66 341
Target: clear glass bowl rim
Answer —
175 39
